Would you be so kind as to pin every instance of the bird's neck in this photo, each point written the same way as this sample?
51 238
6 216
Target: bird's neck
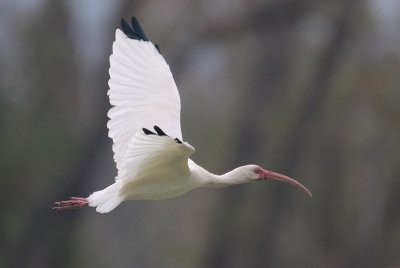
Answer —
208 179
232 177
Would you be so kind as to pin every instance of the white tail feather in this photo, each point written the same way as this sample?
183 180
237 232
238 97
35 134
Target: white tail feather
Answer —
107 199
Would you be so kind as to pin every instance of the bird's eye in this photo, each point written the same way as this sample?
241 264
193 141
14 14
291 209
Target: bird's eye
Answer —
257 171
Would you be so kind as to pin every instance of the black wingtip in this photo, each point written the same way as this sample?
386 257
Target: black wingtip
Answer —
135 31
158 48
148 132
159 131
127 29
138 29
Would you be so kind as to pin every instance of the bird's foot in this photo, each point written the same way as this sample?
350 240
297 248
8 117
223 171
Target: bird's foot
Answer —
72 203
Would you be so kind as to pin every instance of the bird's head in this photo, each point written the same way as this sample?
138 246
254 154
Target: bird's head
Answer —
251 173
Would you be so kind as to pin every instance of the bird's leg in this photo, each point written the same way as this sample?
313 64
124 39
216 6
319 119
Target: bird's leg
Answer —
72 203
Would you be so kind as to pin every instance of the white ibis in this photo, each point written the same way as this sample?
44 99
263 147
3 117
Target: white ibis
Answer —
152 159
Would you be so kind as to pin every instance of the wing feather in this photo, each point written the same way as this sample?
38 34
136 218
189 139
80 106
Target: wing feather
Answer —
149 153
142 91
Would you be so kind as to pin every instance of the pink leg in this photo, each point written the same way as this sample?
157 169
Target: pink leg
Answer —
72 203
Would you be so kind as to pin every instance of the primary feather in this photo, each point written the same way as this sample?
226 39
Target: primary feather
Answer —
143 93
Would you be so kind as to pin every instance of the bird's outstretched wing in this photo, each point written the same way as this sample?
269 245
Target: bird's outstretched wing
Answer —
142 90
154 155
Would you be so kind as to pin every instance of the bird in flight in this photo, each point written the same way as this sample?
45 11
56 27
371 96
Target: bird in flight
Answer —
151 157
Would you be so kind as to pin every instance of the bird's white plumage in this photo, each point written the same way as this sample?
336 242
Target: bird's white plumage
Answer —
148 153
143 93
156 167
152 165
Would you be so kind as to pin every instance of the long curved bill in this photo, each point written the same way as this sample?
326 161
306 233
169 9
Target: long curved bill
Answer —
271 175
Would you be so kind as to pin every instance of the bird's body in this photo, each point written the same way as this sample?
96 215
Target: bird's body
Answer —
152 159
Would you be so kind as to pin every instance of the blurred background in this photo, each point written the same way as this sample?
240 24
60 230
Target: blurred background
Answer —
307 88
